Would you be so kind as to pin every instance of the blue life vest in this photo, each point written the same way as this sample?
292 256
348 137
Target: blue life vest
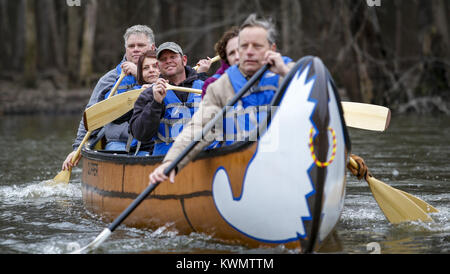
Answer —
241 120
216 76
177 114
129 82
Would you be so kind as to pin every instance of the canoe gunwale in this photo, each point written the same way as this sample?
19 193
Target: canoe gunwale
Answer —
129 159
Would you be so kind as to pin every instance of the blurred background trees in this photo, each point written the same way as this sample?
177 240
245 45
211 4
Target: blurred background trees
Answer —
395 55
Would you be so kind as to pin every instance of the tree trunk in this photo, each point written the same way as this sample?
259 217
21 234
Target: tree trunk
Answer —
5 47
291 27
285 26
18 44
434 36
30 63
56 41
398 34
442 50
440 21
74 23
46 59
349 59
87 50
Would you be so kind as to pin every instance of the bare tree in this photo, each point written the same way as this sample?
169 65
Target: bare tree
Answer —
30 63
87 50
74 23
376 54
55 37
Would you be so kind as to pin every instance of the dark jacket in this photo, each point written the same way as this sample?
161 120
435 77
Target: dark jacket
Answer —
147 113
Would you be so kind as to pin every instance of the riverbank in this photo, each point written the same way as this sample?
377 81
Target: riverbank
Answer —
45 99
48 99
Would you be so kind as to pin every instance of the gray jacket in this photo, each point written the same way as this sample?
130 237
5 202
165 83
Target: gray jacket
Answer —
105 84
116 132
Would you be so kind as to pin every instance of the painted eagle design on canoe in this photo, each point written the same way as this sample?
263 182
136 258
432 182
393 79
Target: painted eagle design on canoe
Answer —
275 201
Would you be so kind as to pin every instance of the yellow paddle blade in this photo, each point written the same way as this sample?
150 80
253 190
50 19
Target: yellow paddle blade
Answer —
420 203
106 111
396 206
63 176
366 116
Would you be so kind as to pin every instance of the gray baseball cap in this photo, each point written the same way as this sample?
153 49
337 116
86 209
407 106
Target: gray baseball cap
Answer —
172 46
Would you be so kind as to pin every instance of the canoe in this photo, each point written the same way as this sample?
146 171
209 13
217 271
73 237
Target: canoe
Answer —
284 186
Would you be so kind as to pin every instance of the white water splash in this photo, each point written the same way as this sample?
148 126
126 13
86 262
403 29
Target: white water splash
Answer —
39 190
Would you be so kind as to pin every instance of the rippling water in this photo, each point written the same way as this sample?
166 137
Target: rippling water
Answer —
36 217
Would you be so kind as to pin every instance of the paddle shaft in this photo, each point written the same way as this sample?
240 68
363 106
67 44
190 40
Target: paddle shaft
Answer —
183 89
88 133
131 207
116 86
77 153
106 111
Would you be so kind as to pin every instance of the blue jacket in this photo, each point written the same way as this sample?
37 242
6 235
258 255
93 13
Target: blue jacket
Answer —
129 82
117 131
242 120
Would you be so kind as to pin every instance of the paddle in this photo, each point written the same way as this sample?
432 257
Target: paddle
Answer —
106 111
369 117
183 89
107 231
398 206
214 59
64 175
366 116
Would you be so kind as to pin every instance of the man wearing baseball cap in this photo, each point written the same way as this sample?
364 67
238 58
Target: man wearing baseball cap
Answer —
160 113
257 47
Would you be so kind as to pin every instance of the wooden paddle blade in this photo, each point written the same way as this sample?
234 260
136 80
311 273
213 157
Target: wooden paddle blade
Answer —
374 183
63 176
366 116
396 206
420 203
106 111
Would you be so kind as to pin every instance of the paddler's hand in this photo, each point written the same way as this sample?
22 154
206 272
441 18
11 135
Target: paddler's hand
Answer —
129 68
159 90
204 65
276 61
68 162
158 174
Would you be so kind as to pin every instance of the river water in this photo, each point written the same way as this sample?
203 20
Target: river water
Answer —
37 218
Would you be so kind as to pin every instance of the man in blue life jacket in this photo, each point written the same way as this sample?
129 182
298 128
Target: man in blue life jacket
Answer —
138 39
160 114
256 48
116 132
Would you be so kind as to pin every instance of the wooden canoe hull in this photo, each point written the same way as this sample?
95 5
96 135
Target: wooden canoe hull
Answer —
188 206
287 187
